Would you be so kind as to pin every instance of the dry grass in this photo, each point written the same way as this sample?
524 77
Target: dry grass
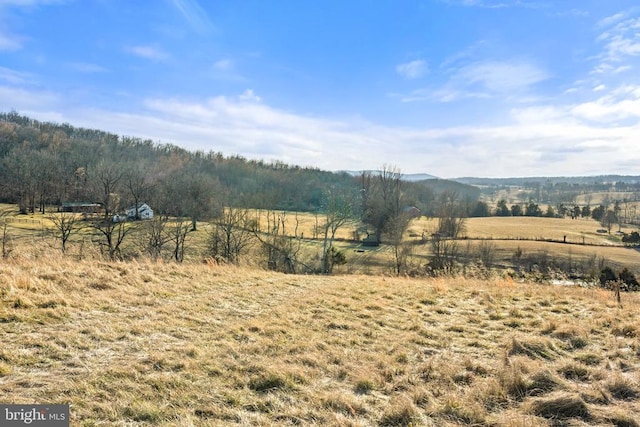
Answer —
503 231
533 228
164 344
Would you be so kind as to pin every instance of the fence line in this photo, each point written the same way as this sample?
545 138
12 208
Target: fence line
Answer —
23 220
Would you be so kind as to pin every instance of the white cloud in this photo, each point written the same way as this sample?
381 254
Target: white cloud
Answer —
14 77
148 52
599 88
501 76
248 95
621 42
541 139
10 42
24 3
496 4
86 67
610 20
413 69
27 101
612 108
194 14
223 65
483 79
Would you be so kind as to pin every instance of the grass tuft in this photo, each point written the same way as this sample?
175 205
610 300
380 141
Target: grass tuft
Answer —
364 386
622 388
561 407
270 382
574 371
401 412
534 348
210 345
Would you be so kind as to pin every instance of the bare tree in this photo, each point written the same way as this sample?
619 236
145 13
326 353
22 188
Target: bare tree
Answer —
110 236
486 253
231 234
65 223
4 237
106 177
608 219
451 215
19 181
137 181
338 212
445 255
281 251
178 232
394 233
382 198
155 235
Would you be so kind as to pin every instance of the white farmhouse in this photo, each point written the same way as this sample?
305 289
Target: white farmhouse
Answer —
144 212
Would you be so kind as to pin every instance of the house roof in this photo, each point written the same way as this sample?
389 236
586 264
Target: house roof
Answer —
141 206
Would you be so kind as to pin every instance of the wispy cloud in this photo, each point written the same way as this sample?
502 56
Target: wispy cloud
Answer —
148 52
249 95
500 76
610 20
613 107
535 140
87 67
194 14
27 101
483 79
497 4
413 69
621 40
24 3
14 77
223 65
10 42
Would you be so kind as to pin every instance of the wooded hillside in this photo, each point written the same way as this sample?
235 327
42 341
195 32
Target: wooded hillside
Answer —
47 164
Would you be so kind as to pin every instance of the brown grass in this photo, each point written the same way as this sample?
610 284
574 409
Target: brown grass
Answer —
143 343
503 230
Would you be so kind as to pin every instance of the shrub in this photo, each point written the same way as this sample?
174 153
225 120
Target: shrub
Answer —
629 280
607 275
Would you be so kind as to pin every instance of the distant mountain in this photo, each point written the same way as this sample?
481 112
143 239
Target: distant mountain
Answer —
520 181
411 177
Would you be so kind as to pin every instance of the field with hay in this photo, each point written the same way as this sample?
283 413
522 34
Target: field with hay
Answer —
141 343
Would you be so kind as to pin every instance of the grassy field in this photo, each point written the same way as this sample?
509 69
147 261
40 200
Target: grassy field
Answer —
202 345
576 231
509 235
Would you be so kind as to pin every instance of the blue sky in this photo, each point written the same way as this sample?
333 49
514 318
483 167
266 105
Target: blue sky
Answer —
447 87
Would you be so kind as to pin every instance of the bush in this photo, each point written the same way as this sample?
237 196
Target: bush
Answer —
634 237
607 275
629 280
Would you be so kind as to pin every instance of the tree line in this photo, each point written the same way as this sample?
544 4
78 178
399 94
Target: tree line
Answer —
46 165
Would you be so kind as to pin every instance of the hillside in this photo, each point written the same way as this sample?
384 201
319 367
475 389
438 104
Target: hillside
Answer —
164 344
44 164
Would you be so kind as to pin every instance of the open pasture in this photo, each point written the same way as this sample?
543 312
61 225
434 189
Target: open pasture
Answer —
201 345
576 231
507 235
